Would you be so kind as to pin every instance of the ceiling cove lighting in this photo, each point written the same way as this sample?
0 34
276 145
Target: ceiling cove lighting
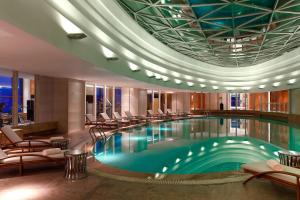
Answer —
190 84
291 81
214 82
201 80
133 67
246 88
73 32
261 86
158 76
230 88
215 87
276 84
295 73
177 81
279 77
264 80
109 55
202 85
149 73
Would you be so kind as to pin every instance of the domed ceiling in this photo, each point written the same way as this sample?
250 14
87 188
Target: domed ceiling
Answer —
228 33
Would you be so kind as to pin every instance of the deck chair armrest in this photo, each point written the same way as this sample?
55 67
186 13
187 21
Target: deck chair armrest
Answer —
31 141
27 155
262 174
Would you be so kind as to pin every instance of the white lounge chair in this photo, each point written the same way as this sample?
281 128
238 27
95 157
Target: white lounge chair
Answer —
18 142
290 176
21 160
120 119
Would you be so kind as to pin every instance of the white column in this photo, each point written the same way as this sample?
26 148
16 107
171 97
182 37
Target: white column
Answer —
15 83
104 98
26 93
113 100
269 101
95 101
236 100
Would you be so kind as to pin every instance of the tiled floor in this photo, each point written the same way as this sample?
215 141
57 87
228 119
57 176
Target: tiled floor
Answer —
48 183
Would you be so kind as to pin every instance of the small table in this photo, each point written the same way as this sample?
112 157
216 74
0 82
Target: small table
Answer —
60 143
289 158
75 164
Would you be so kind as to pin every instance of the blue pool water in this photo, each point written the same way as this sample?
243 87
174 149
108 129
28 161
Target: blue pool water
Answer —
198 145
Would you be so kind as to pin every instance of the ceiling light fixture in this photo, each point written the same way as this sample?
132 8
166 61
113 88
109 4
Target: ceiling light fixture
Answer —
261 86
149 73
215 87
246 88
109 55
177 81
73 32
190 84
201 80
276 84
291 81
202 85
230 88
295 73
279 77
165 78
133 67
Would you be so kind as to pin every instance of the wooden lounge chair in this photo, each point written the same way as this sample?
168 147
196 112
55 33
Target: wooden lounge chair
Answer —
161 114
22 160
152 115
289 177
91 120
17 142
109 122
134 119
121 120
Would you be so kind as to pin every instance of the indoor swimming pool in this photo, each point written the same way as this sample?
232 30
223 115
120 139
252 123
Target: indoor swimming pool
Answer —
199 145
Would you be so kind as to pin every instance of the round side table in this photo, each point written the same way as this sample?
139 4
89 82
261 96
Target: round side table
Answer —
75 164
60 143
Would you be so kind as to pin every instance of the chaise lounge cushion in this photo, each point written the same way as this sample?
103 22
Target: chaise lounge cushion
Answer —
10 133
258 167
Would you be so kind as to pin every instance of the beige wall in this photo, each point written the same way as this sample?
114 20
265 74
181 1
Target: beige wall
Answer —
181 102
61 100
294 101
142 102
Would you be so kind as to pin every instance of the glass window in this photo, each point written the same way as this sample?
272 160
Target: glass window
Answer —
118 100
99 100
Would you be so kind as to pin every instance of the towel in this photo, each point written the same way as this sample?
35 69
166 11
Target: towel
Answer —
274 165
57 138
47 152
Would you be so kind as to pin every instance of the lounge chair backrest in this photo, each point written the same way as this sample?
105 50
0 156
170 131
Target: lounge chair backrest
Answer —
169 111
128 113
2 154
160 111
11 134
117 115
89 117
105 116
150 112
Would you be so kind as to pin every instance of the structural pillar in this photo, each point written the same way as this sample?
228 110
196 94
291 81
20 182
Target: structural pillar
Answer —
113 99
269 101
15 97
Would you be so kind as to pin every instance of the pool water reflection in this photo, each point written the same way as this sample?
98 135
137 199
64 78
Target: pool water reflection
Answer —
198 145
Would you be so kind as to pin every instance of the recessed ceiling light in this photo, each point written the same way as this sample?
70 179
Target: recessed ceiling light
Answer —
212 81
177 81
133 66
261 86
158 76
188 77
190 84
165 78
292 81
215 87
276 84
109 55
73 32
149 73
202 85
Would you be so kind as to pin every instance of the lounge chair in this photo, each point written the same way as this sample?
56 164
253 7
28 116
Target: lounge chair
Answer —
134 119
152 115
109 122
91 120
161 114
22 160
289 177
17 142
120 119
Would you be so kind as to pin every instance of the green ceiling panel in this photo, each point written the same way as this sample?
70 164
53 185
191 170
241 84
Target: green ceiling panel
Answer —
229 33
